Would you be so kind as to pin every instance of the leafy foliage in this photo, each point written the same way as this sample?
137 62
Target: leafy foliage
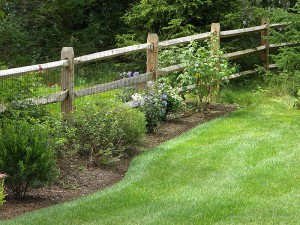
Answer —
205 69
170 19
19 88
37 30
288 58
26 155
104 131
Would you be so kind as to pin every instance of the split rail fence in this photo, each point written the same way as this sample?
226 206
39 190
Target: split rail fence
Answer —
68 62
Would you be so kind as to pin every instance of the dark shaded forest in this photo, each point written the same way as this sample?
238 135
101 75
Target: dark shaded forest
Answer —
35 31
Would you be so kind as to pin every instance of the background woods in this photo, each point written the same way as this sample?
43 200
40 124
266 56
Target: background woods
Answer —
34 31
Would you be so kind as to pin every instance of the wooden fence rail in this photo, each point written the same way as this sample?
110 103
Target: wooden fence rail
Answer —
67 63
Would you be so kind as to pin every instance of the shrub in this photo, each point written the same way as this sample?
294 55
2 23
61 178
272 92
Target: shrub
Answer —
157 101
26 156
105 130
27 111
206 68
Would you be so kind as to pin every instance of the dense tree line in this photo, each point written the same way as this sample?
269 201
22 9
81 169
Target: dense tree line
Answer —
36 30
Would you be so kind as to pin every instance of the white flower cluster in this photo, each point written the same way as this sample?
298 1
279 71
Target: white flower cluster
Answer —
137 97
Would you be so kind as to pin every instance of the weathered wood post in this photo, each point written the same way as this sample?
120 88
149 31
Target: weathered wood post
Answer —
67 80
215 30
152 55
265 42
215 47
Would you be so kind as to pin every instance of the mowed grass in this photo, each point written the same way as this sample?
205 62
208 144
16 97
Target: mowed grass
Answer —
240 169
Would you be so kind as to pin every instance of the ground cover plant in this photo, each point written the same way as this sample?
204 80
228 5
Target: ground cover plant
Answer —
242 168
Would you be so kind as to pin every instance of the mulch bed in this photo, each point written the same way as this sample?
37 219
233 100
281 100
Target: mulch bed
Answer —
78 178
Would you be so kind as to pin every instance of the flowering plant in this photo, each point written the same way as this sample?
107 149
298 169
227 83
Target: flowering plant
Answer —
156 102
129 74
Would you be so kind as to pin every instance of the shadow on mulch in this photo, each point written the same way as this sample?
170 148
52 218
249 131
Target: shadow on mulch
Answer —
78 179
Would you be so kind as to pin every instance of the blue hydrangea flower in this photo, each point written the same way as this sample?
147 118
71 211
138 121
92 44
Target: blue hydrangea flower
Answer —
135 74
164 96
164 103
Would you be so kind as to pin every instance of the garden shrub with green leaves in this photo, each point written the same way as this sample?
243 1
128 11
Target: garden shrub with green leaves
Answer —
107 130
26 156
206 69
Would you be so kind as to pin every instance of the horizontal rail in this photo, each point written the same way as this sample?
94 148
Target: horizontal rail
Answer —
279 25
238 54
171 69
34 68
240 74
182 40
231 33
114 85
284 44
53 98
111 53
273 66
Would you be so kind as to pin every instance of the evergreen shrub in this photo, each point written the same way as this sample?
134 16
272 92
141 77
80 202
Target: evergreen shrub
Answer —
26 156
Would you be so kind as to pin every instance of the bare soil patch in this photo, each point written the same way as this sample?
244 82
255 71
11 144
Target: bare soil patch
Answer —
78 178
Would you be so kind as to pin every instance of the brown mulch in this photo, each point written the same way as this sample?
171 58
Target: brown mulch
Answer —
78 178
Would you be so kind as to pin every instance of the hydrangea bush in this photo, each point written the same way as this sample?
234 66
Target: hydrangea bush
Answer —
156 102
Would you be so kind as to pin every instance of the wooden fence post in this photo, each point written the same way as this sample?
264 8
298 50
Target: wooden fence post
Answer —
265 42
67 80
215 30
152 55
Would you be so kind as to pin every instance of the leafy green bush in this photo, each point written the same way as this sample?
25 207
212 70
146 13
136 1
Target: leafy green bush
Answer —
26 156
26 111
206 69
105 130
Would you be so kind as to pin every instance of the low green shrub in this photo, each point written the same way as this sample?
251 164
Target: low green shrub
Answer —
107 130
26 156
27 111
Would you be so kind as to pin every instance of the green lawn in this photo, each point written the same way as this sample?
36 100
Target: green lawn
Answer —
240 169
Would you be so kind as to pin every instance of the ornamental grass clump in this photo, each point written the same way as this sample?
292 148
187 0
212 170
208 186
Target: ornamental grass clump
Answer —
26 155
